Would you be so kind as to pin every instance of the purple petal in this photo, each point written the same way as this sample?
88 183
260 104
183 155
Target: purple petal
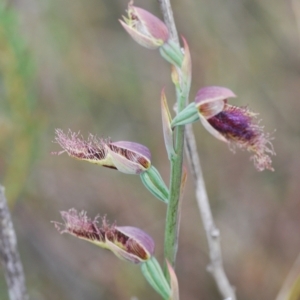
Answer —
156 28
140 236
212 130
134 147
213 93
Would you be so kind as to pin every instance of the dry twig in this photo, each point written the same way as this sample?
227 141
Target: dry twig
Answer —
9 255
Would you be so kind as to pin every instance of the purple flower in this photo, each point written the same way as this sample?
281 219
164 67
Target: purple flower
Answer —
126 242
124 156
238 126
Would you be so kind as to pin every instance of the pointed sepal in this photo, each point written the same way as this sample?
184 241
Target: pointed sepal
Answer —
175 76
167 128
173 282
186 67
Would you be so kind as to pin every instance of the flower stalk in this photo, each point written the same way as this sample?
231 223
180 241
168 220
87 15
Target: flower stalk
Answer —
173 211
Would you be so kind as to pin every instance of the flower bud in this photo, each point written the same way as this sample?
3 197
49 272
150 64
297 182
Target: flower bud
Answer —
145 28
127 243
153 181
126 157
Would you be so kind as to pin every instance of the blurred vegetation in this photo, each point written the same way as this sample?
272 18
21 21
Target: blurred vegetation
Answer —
19 118
69 64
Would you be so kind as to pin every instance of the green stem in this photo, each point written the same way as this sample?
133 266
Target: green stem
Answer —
173 211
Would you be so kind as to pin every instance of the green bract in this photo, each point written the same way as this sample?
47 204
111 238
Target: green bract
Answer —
155 276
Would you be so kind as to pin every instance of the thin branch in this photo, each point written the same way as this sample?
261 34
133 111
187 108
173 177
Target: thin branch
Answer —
167 11
212 233
9 255
173 210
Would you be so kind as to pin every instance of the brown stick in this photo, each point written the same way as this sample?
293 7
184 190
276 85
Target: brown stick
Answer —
9 255
212 233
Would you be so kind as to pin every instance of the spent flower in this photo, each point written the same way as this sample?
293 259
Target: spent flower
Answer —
237 126
126 242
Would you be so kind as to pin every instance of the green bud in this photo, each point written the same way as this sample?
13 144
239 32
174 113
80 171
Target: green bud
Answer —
155 276
155 184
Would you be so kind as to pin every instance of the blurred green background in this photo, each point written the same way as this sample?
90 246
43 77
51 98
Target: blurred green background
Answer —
69 64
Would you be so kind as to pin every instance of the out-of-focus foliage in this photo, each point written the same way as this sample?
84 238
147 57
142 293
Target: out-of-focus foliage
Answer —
69 64
19 119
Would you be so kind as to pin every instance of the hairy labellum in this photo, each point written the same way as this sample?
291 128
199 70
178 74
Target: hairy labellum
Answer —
79 225
126 242
240 129
127 157
236 126
93 149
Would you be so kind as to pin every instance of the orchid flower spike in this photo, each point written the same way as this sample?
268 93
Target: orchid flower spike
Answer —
126 157
127 243
237 126
145 28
